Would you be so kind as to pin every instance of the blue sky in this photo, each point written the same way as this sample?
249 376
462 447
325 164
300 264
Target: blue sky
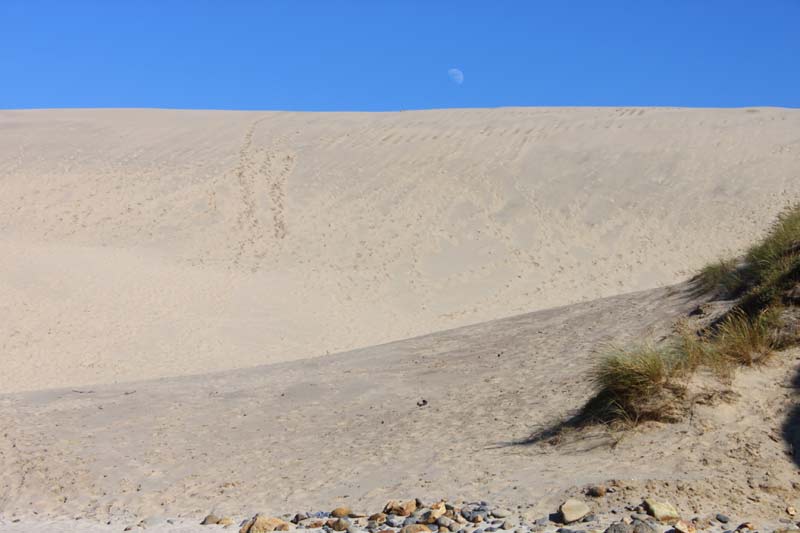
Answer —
387 55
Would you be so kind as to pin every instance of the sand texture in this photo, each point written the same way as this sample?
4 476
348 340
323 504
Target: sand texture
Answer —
247 312
139 244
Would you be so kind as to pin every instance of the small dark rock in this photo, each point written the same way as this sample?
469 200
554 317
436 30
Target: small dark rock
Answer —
596 491
619 527
721 518
640 526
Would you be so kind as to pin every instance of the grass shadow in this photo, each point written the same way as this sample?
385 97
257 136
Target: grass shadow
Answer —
791 425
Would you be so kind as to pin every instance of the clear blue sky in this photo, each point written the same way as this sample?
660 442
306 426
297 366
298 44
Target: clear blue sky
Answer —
387 55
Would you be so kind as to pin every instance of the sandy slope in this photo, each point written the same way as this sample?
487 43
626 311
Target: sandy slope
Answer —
346 429
138 244
317 432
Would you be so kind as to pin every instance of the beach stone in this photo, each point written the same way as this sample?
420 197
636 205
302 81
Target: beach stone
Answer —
596 491
341 512
378 518
507 525
661 511
443 521
791 511
619 527
640 526
723 519
339 524
225 521
454 526
500 513
210 520
394 521
396 507
437 510
311 523
264 524
573 510
415 528
684 527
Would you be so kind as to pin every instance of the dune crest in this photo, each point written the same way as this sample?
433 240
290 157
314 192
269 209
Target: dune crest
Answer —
139 244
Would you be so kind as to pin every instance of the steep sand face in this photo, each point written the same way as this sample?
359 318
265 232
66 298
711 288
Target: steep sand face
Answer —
143 243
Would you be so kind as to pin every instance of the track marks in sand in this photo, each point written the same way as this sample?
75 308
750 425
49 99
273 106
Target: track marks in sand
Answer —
261 175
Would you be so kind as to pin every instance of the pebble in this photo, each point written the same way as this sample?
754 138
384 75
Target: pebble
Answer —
682 526
340 524
394 520
619 527
596 491
341 512
415 528
573 510
210 520
723 519
661 511
500 513
640 526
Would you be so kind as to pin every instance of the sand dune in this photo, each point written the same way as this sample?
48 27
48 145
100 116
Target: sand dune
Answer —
347 430
339 429
139 244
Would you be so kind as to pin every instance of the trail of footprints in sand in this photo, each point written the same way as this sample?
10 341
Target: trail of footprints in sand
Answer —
260 173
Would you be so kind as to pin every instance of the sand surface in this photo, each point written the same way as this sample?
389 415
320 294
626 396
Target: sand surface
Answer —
240 311
346 430
138 244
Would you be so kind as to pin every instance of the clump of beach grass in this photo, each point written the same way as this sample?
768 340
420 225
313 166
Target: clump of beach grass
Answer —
744 340
767 270
635 384
647 382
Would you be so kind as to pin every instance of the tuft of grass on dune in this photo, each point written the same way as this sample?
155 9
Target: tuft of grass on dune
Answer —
743 340
768 269
635 384
646 382
721 276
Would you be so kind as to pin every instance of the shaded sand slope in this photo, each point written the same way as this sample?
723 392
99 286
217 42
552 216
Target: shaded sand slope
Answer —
346 429
137 244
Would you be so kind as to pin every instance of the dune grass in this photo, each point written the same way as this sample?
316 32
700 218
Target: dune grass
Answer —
768 268
721 276
635 384
743 340
644 382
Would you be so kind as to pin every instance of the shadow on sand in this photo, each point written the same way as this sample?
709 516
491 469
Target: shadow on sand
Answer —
791 426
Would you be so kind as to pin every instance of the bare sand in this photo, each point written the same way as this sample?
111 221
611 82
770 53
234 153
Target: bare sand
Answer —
347 429
197 308
139 244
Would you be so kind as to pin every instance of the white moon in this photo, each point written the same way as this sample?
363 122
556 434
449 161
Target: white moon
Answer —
456 76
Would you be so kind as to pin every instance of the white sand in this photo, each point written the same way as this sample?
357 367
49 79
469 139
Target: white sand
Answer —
192 246
143 243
